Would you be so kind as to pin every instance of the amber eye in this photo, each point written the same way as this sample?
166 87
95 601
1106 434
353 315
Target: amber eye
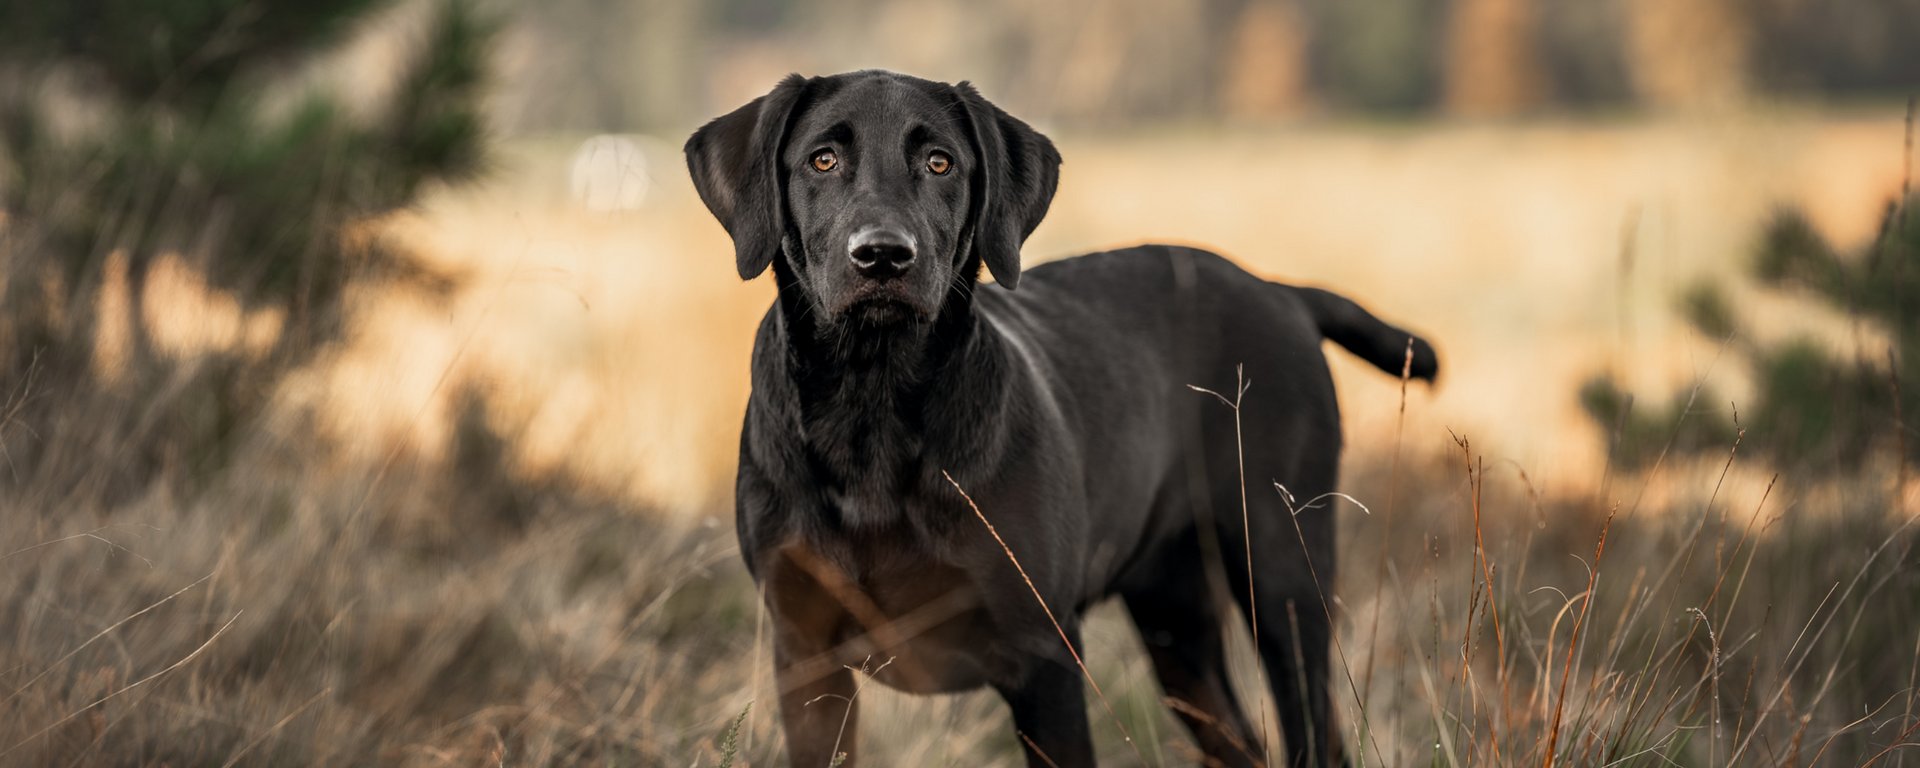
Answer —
939 163
825 160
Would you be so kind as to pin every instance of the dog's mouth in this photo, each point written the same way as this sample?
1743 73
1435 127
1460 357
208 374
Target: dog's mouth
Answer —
881 304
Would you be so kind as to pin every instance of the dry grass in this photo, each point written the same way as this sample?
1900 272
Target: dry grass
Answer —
449 626
396 575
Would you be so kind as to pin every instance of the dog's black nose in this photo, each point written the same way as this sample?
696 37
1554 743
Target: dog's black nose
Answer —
880 253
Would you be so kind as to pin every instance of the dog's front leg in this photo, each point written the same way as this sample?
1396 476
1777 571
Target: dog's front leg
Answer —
1050 714
818 709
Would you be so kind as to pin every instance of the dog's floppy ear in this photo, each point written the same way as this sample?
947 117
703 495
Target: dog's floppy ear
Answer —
735 163
1019 170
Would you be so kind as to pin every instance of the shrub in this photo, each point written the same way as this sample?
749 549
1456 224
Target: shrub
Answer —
131 131
1812 408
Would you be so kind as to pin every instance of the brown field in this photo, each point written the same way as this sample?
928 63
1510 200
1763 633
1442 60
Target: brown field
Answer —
620 341
548 577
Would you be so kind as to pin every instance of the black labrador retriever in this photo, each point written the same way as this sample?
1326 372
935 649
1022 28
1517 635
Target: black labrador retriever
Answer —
888 382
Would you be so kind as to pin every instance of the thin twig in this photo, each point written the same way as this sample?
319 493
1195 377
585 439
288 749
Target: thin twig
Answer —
1386 531
1037 751
1573 640
1713 670
234 759
130 686
1050 617
846 715
102 633
1293 514
1788 677
1246 527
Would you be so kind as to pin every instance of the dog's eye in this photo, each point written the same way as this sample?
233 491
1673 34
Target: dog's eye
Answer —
939 163
825 160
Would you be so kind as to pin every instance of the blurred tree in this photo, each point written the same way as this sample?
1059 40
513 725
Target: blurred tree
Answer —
1864 47
134 130
1689 54
1493 64
1811 409
665 65
1581 53
1266 68
1382 56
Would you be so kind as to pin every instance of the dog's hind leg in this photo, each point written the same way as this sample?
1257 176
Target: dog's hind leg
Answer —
1181 624
1294 637
1290 613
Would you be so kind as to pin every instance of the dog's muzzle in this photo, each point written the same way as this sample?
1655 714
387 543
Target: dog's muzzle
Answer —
880 253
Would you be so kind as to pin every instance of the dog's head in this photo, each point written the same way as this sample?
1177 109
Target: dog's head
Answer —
879 191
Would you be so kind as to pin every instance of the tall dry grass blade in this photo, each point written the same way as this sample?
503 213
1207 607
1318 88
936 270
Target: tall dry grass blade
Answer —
93 534
1899 433
846 715
1433 694
1181 706
841 587
1907 158
1913 671
1493 606
1044 757
1068 642
1470 627
1293 515
102 633
1850 725
1898 742
1683 559
10 410
268 734
1573 640
1713 670
759 675
130 686
1903 215
1246 528
1386 535
1300 680
1623 297
1726 568
1788 677
1693 396
1833 667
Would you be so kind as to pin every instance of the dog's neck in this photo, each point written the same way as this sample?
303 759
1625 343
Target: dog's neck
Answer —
867 397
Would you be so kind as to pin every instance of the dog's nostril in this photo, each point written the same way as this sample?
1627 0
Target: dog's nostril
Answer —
882 256
880 253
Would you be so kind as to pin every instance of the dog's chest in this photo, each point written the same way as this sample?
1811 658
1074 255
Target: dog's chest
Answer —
869 478
865 500
941 639
917 624
865 444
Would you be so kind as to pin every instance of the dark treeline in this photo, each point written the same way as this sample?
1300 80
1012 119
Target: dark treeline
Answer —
607 65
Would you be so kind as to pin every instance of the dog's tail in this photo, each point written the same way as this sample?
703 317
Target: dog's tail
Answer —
1385 346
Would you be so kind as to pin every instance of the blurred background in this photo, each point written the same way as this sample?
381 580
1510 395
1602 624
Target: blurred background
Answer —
370 375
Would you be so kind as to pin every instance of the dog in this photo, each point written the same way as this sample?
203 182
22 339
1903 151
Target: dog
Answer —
939 476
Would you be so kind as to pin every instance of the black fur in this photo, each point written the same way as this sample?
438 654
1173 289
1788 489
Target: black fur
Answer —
1062 409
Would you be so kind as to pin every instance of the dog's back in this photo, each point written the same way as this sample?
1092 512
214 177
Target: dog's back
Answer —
1121 338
